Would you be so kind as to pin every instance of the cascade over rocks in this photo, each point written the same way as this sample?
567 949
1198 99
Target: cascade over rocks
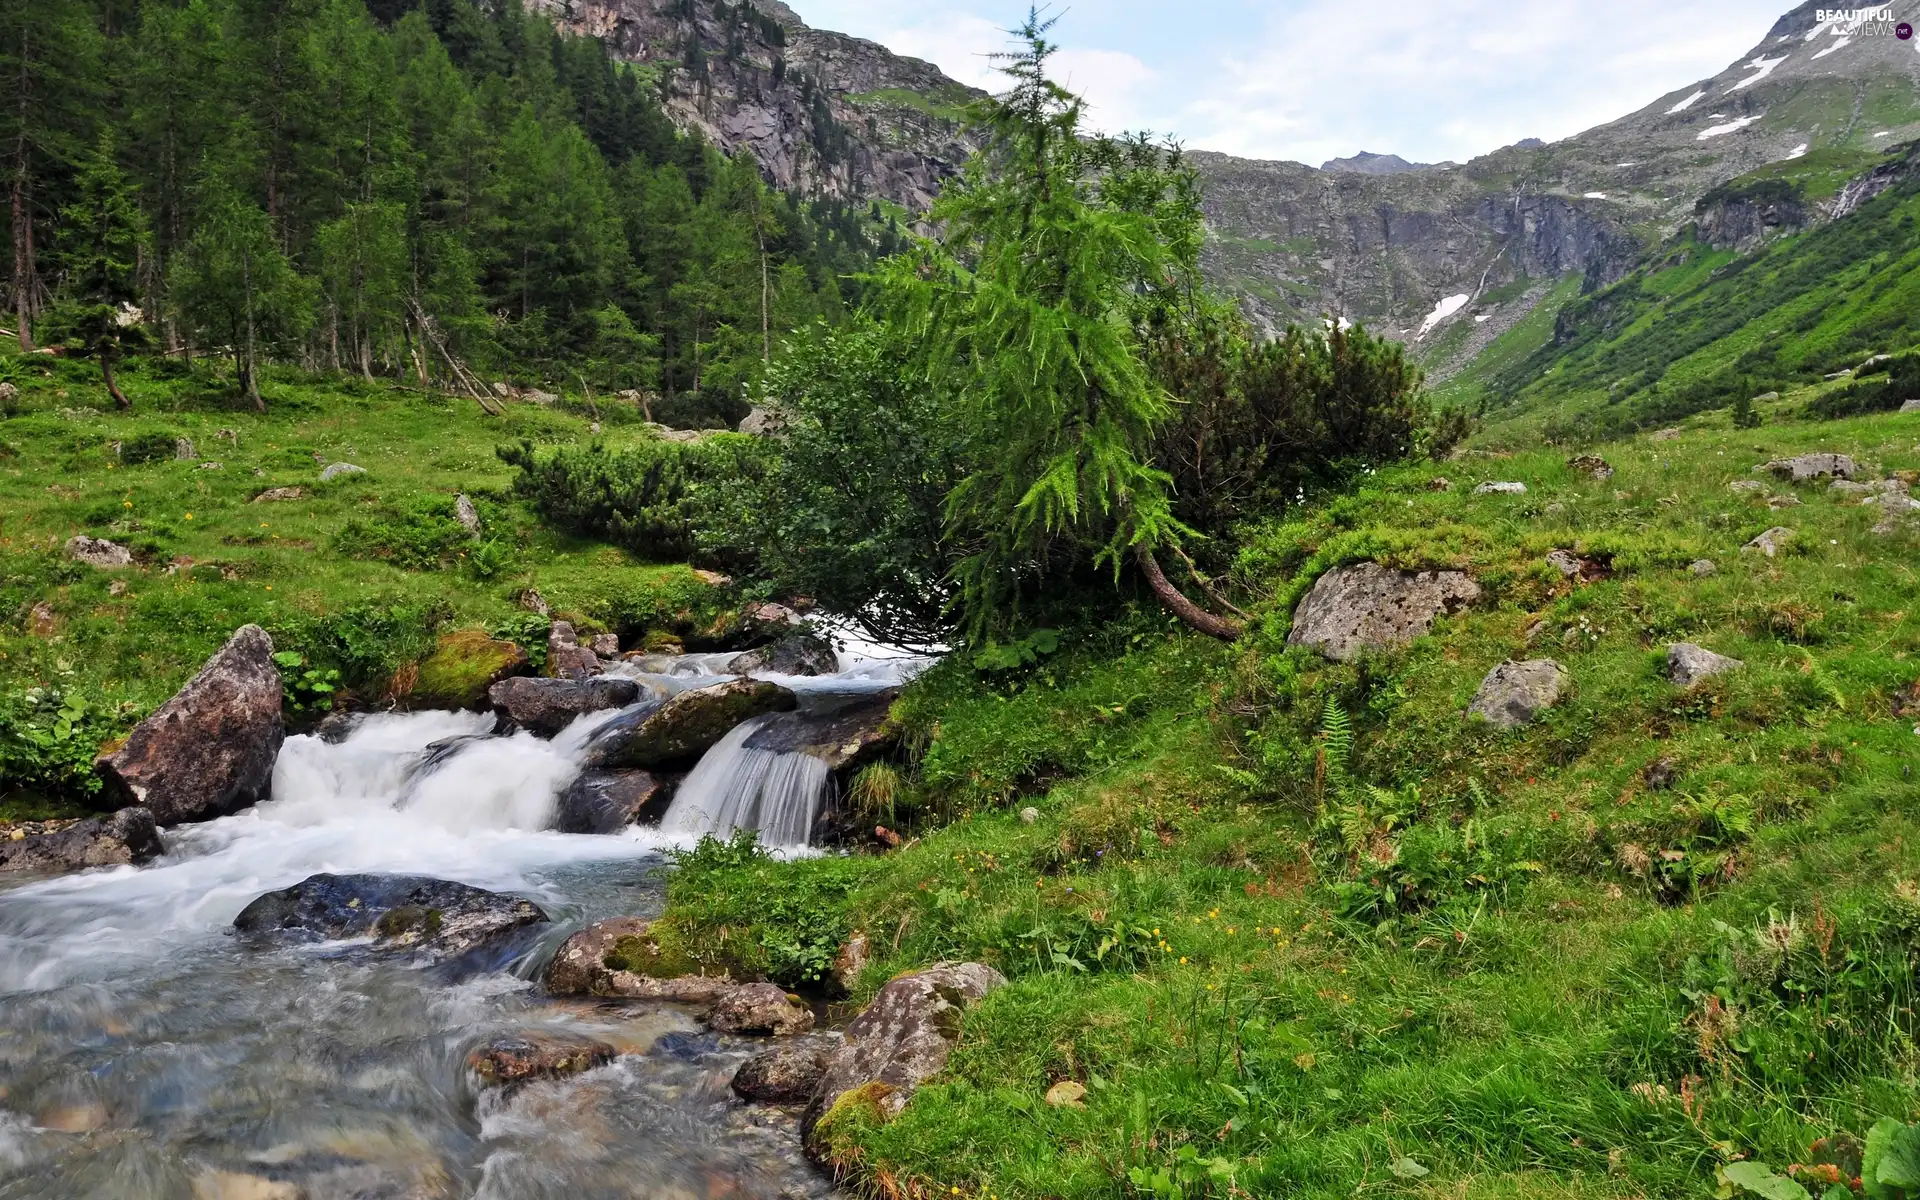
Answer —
846 738
546 706
1516 693
684 727
208 751
608 801
437 917
127 836
1368 606
795 654
786 1074
759 1008
901 1040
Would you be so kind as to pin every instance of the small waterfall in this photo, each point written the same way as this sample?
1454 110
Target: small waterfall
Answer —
736 786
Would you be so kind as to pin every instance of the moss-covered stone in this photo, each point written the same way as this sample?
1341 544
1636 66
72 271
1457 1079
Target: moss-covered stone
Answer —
835 1141
463 665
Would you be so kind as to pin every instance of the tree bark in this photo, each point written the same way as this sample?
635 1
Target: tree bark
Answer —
120 400
1177 603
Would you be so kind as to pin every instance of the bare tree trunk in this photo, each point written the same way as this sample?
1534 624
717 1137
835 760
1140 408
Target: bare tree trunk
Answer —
253 381
1177 603
366 354
120 400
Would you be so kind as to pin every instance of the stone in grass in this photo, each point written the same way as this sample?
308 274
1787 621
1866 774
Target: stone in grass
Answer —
273 495
1068 1093
1688 664
334 471
1911 406
518 1058
788 1074
1516 693
1746 485
1703 567
1592 465
759 1008
463 668
1772 542
1805 468
1501 487
98 552
465 513
1368 606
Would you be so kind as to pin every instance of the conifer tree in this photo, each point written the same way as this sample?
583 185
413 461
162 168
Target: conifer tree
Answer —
102 237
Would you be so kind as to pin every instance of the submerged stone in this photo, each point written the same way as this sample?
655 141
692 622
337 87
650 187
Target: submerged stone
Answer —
518 1058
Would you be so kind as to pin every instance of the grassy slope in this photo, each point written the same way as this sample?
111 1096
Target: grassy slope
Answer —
364 603
1600 989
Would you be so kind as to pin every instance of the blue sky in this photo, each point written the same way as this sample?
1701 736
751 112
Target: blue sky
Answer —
1314 79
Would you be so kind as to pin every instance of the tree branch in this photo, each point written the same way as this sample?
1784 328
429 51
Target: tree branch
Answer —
1178 604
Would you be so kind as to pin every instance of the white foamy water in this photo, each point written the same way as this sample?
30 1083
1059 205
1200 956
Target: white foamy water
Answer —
739 787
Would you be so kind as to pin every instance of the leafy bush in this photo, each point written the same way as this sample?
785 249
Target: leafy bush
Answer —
366 643
48 740
147 447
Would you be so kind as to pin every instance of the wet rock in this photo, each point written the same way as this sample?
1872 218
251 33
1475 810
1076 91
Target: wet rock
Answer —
684 727
208 751
1368 606
1516 693
84 1117
127 836
601 960
518 1058
605 645
788 1074
98 552
546 706
768 618
465 513
334 471
336 726
1805 468
608 801
1703 567
566 657
1688 664
1591 465
848 737
1772 542
1501 487
901 1040
438 917
760 1009
795 654
274 495
463 669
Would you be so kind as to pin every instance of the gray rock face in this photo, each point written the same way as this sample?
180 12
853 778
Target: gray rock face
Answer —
208 751
764 422
1591 465
846 738
581 967
546 706
566 657
1372 607
274 495
1772 542
127 836
686 726
1503 487
1516 693
783 1075
465 513
334 471
1703 567
903 1037
1910 406
436 918
605 645
1805 468
518 1058
1688 664
98 552
607 801
759 1009
795 654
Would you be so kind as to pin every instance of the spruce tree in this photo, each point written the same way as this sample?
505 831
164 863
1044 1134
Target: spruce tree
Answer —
103 235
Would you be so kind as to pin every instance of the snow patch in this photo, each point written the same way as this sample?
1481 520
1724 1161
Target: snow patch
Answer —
1689 102
1830 49
1797 151
1595 196
1884 133
1479 317
1714 131
1762 67
1624 166
1441 311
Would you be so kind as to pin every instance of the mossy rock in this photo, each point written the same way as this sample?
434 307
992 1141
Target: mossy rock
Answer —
463 665
835 1139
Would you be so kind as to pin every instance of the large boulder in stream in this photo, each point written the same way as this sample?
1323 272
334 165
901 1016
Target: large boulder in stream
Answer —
847 737
463 669
787 1074
686 726
609 801
617 958
794 654
208 751
128 836
519 1058
546 706
902 1039
1367 606
437 918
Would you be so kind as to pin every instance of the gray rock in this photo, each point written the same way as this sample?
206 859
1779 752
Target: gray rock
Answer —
1846 487
788 1074
1501 488
759 1009
334 471
1564 561
465 513
1911 406
604 645
271 495
607 801
518 1058
763 421
1664 435
183 449
1591 465
546 706
581 967
1368 606
684 727
795 654
98 552
210 749
901 1039
1779 502
1747 485
1688 664
566 657
536 396
842 738
1703 567
127 836
1029 815
1660 774
1772 542
1516 693
436 918
1804 468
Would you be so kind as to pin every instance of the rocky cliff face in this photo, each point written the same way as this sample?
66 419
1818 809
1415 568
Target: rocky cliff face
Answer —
823 113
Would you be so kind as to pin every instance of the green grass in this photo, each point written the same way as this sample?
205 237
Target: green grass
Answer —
1522 982
948 104
360 575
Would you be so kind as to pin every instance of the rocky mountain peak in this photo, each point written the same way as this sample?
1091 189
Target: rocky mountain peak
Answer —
1368 163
